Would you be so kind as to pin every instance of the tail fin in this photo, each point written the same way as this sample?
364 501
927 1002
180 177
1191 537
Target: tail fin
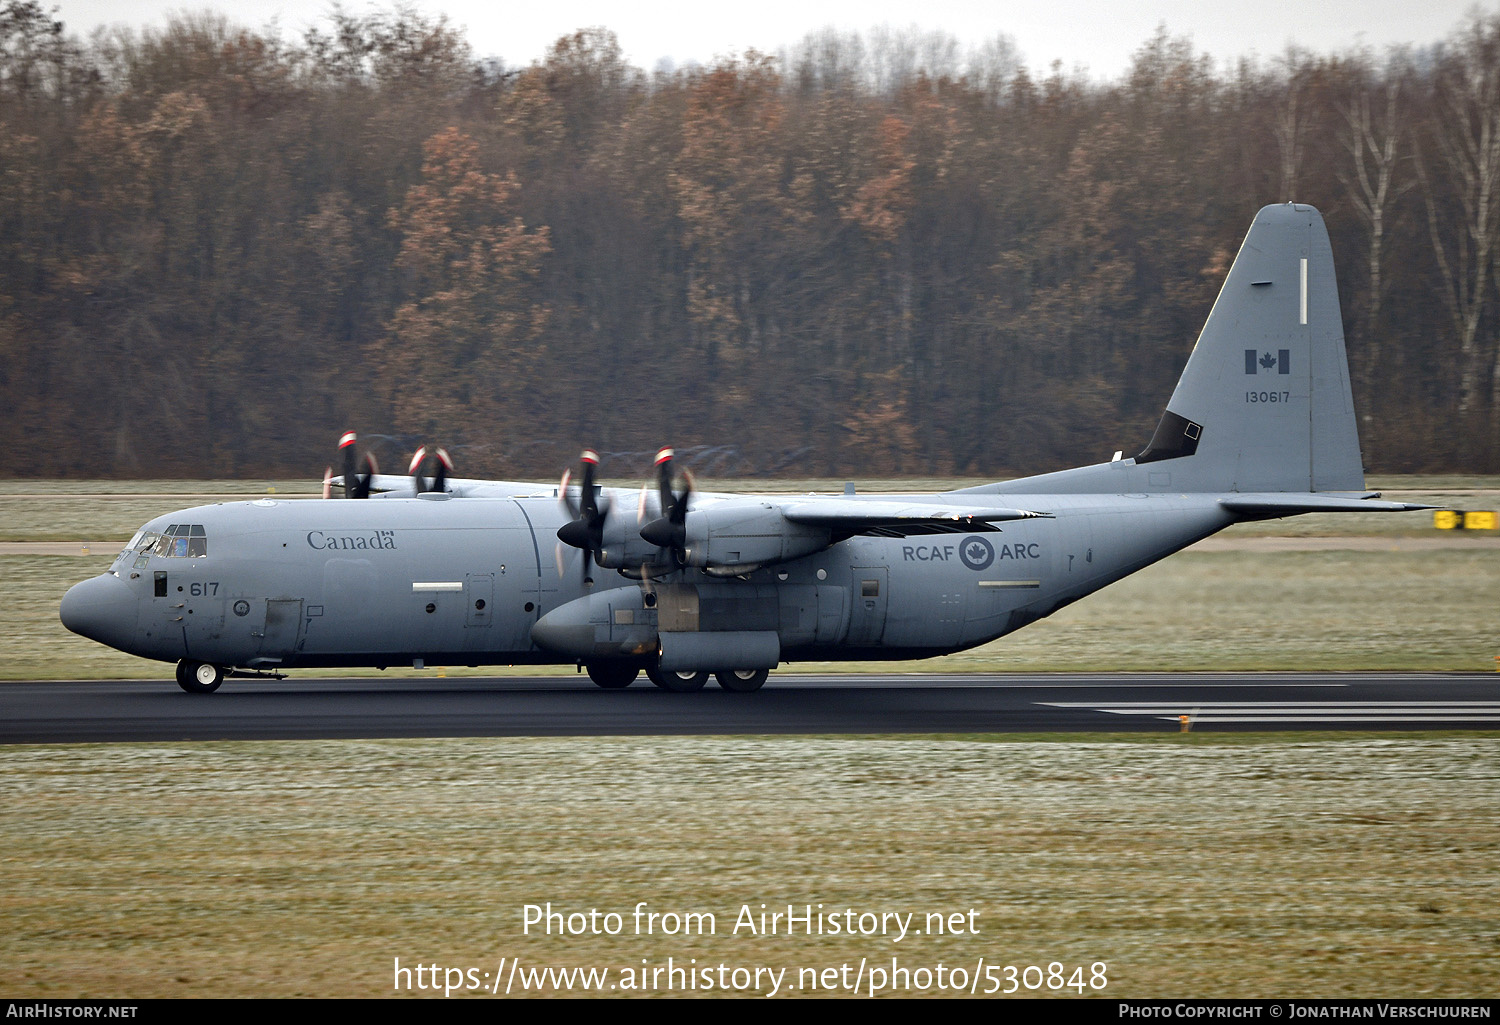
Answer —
1264 402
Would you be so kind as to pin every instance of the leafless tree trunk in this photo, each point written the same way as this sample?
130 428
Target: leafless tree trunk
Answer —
1373 139
1461 185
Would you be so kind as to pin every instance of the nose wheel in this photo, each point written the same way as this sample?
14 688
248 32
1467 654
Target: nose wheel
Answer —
199 677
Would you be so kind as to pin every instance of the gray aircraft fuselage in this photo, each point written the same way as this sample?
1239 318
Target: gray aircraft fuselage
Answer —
463 581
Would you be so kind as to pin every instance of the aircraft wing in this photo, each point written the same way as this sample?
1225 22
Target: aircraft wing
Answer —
1264 506
402 486
847 517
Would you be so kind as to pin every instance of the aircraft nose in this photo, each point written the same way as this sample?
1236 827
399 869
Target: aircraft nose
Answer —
102 609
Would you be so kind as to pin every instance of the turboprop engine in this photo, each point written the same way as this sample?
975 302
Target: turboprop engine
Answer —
737 536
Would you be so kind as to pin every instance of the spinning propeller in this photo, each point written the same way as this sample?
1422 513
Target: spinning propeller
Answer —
586 529
420 463
669 531
356 485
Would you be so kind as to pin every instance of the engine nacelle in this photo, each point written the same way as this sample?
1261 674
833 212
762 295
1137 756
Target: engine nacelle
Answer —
747 533
624 548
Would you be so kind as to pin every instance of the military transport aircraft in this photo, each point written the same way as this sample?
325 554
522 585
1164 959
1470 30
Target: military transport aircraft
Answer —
436 570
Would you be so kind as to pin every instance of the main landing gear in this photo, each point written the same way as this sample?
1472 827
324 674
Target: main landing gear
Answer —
681 682
199 677
613 675
742 681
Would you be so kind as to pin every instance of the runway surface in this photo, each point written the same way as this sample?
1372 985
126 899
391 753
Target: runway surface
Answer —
303 708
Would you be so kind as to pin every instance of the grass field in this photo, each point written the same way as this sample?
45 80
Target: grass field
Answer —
1250 866
1292 865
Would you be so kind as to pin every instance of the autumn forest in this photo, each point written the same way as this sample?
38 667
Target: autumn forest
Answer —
873 255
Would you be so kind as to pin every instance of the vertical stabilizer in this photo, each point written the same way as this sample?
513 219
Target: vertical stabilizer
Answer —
1264 403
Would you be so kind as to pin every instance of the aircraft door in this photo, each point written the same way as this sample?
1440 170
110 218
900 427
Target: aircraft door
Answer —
480 588
205 625
283 628
869 589
479 592
512 589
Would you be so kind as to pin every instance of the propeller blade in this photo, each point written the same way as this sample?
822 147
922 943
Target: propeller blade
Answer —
680 502
419 462
668 531
585 530
362 481
347 446
664 479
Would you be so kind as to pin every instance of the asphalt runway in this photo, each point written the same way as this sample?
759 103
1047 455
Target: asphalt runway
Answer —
307 709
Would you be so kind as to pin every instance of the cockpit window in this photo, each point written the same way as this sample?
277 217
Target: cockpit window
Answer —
179 541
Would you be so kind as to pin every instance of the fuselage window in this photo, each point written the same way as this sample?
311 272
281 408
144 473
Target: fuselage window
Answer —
164 544
183 541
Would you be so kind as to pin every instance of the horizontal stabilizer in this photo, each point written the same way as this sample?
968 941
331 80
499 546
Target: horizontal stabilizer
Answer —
1281 504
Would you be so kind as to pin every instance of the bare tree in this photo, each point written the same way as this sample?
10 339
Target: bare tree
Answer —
1373 133
1459 168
